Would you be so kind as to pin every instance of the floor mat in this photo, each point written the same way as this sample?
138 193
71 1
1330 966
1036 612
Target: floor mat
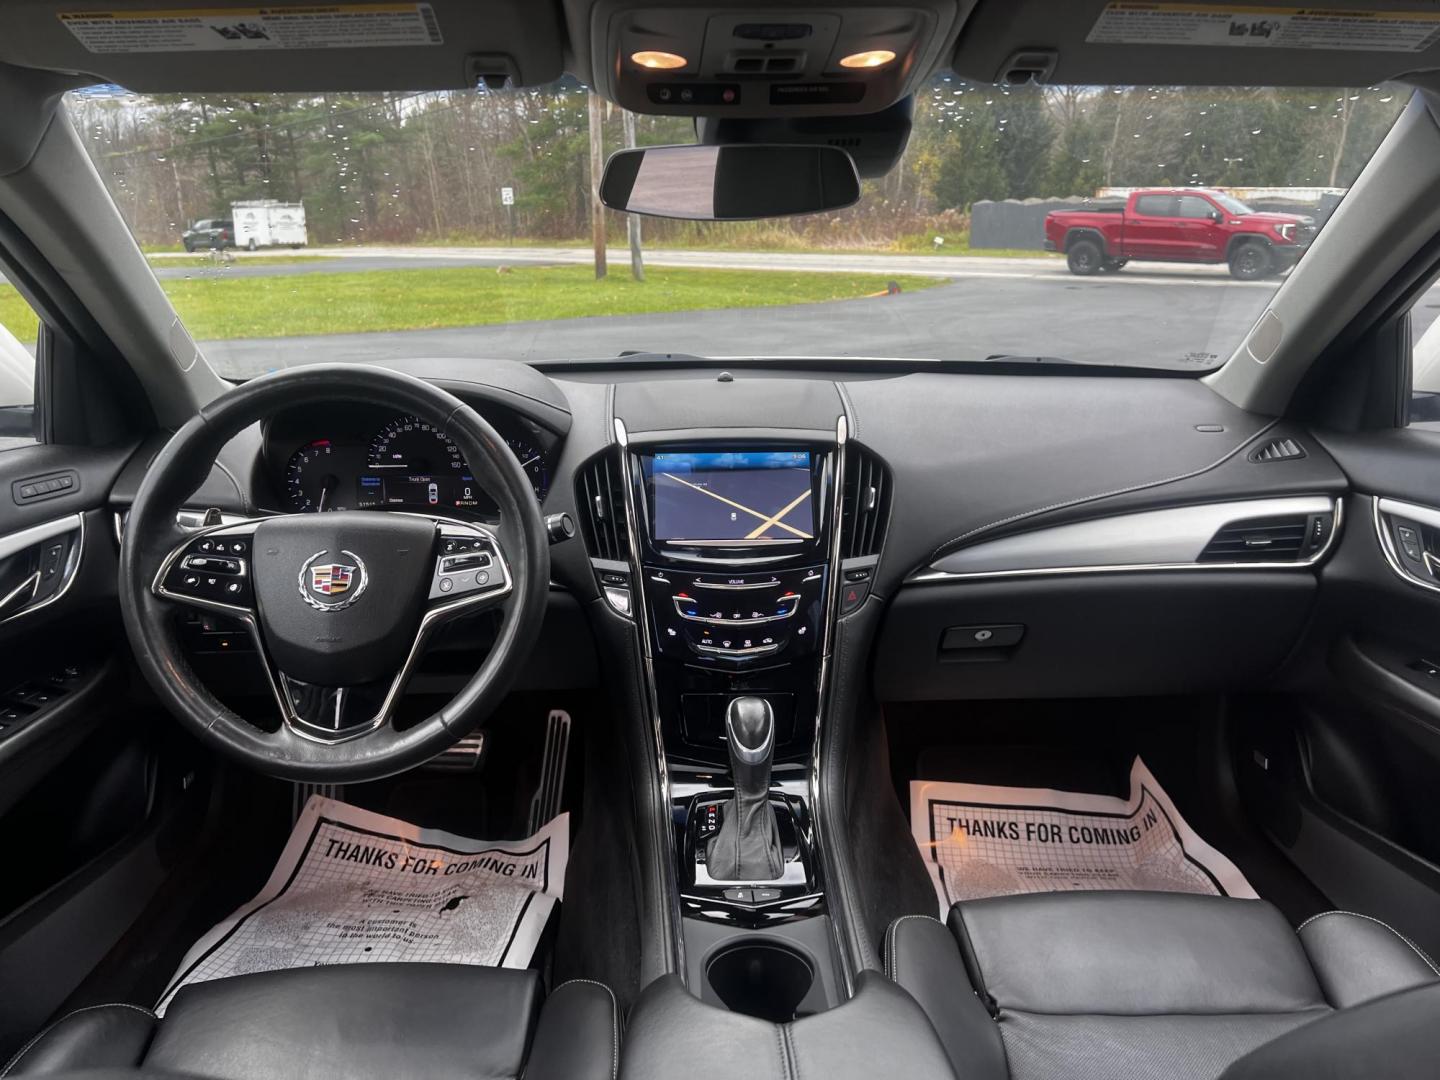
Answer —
979 840
353 886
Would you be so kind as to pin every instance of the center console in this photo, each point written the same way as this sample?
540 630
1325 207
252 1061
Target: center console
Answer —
733 557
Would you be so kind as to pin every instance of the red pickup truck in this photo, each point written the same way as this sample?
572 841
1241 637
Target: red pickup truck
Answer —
1194 225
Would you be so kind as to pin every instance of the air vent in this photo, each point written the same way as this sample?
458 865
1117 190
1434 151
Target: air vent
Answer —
602 508
1259 540
1281 449
865 505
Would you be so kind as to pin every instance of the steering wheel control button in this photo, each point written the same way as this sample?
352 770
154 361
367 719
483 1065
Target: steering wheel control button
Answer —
466 565
210 570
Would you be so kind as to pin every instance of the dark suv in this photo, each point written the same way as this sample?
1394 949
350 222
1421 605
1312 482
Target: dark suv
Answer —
209 233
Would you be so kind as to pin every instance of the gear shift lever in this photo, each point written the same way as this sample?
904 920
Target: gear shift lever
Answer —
747 846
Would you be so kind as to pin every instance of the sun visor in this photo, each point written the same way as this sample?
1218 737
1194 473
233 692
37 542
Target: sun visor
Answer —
1255 43
158 46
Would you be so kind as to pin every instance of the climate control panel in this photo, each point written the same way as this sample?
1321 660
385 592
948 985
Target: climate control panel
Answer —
725 619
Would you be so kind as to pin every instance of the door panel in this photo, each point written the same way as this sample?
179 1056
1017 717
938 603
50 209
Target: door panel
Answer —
1151 231
1203 237
1343 772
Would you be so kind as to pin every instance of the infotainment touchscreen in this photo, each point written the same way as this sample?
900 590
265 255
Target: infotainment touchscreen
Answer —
751 496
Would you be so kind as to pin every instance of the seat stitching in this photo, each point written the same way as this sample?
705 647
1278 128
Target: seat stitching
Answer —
1370 918
19 1054
614 1020
892 964
792 1059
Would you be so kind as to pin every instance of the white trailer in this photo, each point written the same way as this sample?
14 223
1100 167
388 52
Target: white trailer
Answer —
268 223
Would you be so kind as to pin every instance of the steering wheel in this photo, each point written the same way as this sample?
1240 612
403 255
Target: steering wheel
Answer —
340 605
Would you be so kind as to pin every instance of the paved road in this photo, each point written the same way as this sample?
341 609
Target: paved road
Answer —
1149 314
1126 319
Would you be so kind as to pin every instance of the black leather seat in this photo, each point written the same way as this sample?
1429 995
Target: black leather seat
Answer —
1134 986
348 1022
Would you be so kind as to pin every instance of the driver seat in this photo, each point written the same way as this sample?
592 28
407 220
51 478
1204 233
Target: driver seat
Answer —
385 1021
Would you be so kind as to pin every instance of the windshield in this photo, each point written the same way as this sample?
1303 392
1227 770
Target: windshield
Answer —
303 228
1231 205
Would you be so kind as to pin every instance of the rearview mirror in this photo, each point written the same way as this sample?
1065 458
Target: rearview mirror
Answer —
729 183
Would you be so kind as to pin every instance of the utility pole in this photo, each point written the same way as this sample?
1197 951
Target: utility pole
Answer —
632 221
597 166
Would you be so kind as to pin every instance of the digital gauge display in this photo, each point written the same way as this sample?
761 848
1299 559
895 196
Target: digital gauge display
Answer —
407 464
412 463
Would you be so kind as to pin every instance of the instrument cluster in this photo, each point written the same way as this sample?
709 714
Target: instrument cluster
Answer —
353 459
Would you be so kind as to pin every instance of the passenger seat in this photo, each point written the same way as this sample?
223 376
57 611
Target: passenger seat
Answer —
1138 985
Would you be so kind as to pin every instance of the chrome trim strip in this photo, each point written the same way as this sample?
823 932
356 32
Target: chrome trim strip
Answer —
16 542
832 614
39 534
1042 543
1423 514
640 618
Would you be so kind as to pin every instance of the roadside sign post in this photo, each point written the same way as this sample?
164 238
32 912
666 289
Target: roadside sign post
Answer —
507 200
597 166
632 221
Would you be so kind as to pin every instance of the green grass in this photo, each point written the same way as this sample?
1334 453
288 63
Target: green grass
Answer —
221 307
17 316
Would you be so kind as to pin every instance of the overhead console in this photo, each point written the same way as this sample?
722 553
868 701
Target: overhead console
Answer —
797 59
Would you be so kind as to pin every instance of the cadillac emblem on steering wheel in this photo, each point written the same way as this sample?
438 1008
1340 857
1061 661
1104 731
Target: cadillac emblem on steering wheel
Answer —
342 581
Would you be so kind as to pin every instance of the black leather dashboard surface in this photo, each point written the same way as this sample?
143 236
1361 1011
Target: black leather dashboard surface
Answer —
972 454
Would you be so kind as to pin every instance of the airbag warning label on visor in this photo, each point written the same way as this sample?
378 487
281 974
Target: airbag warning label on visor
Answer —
1125 23
325 26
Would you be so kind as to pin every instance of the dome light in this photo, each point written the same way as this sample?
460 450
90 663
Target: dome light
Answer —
658 61
872 58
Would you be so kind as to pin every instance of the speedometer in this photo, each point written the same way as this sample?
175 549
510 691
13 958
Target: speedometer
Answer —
413 463
416 446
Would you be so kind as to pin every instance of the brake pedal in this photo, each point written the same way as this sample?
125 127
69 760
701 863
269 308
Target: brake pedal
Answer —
546 802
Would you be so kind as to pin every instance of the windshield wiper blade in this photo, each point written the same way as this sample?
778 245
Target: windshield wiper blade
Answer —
1015 358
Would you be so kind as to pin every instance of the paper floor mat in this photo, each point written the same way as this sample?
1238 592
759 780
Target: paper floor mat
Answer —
980 841
356 887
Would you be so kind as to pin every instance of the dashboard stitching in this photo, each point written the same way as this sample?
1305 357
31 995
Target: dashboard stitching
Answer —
944 548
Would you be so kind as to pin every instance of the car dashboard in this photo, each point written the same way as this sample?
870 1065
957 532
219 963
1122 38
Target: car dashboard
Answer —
975 533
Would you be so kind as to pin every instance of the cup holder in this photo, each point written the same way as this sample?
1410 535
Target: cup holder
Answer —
760 978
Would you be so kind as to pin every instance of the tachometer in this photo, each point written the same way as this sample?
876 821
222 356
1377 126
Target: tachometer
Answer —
312 482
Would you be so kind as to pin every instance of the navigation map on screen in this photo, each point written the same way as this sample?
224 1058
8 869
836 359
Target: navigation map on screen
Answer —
744 496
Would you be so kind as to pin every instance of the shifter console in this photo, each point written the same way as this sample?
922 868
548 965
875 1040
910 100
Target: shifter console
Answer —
746 847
